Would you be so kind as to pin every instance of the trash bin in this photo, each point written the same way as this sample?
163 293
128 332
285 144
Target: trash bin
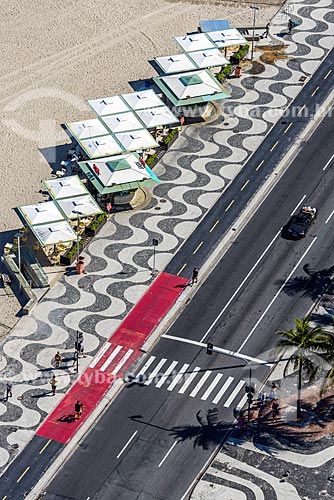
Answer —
237 72
80 266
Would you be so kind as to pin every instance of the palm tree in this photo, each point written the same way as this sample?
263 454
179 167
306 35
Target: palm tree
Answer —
307 342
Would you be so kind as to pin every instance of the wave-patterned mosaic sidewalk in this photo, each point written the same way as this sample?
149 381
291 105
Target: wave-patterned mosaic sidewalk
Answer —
194 173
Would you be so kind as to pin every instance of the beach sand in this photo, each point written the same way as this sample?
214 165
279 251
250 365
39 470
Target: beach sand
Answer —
55 55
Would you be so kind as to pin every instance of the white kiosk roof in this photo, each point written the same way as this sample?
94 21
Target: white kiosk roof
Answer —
122 122
108 105
137 139
119 169
197 41
141 100
175 64
154 117
194 84
208 58
103 146
41 213
87 129
54 233
85 204
65 187
227 38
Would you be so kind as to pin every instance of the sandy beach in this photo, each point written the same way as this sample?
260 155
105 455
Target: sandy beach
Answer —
55 55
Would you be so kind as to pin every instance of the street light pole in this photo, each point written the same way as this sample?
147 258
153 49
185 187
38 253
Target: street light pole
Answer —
155 243
77 349
255 8
18 236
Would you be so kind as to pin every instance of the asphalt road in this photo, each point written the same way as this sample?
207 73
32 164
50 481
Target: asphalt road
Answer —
151 443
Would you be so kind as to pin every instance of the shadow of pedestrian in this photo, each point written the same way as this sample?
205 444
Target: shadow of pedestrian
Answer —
69 418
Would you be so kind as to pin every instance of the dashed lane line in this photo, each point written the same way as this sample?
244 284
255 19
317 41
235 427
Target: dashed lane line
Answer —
259 165
229 206
198 247
180 271
23 474
274 146
243 187
214 226
287 128
45 446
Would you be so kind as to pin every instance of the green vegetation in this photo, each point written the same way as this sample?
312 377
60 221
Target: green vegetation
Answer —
170 136
241 52
312 347
97 221
224 72
151 159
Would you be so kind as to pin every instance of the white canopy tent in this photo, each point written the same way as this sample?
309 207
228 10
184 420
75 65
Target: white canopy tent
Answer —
196 41
120 169
193 84
141 100
54 233
137 139
103 146
122 122
227 38
40 213
65 187
208 58
154 117
81 206
87 129
108 105
175 64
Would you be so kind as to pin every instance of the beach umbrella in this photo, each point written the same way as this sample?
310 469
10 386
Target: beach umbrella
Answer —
175 64
141 100
208 58
108 105
122 122
87 129
85 204
65 187
103 146
40 213
54 233
138 139
155 117
196 41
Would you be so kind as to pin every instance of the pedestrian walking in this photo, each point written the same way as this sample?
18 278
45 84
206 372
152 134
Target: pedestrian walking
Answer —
53 383
263 398
9 388
194 276
75 357
275 408
82 350
290 26
57 359
78 409
267 30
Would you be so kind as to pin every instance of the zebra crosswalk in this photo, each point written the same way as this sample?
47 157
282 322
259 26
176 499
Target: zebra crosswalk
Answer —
208 385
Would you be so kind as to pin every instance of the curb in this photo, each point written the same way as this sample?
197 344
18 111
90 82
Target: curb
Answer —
69 449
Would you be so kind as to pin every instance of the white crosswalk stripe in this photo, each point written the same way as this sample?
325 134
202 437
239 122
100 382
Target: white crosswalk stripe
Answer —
223 390
208 385
121 362
155 371
200 383
212 386
111 357
189 379
234 393
166 374
178 377
97 358
146 366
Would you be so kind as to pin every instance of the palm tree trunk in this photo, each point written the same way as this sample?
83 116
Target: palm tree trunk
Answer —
299 397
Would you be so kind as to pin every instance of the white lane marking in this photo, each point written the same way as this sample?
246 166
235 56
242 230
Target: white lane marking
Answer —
178 377
218 349
223 390
155 371
275 296
127 444
122 361
146 366
234 393
201 382
166 374
168 452
100 354
211 386
331 158
111 357
329 218
240 286
190 378
297 206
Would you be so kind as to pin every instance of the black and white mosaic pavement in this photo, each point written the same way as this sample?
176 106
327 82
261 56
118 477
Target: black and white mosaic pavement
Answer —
194 173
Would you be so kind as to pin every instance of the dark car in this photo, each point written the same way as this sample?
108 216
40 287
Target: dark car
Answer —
299 224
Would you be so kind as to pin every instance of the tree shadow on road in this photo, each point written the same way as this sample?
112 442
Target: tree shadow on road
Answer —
313 285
